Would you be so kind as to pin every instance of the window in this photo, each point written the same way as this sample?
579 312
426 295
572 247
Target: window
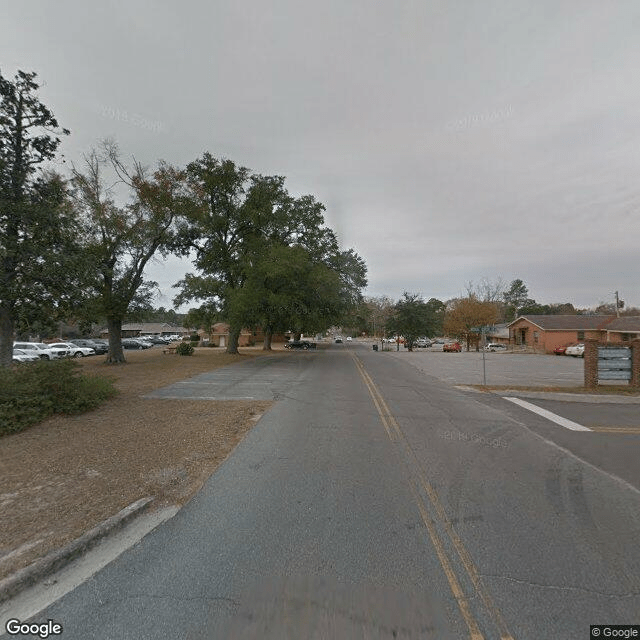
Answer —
580 335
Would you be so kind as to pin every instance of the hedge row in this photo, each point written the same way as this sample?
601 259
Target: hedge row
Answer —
32 392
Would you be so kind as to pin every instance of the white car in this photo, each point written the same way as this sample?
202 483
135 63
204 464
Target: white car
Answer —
348 338
22 356
43 351
495 346
74 350
575 350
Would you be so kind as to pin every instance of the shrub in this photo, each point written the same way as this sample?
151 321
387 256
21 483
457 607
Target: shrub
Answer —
32 392
185 349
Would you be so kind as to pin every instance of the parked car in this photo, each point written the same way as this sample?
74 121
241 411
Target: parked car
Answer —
338 340
423 342
452 346
348 338
559 351
20 355
154 339
134 343
97 345
575 350
43 351
75 351
300 344
495 346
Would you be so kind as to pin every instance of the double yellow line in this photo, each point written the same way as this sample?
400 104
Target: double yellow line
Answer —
433 506
613 429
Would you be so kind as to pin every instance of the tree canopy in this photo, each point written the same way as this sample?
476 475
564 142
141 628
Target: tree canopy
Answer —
413 317
465 316
121 240
36 225
515 297
263 257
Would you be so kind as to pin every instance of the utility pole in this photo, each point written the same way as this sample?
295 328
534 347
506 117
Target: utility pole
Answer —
619 304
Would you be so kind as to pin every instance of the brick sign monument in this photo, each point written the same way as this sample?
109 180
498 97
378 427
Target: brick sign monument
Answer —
606 361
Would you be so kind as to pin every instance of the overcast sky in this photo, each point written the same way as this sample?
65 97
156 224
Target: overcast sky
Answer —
449 141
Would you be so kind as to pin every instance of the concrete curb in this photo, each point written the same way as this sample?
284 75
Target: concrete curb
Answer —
59 558
554 395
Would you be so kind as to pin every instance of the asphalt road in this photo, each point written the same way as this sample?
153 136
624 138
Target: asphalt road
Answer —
374 501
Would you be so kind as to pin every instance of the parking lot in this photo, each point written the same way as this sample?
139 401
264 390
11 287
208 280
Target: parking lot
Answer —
501 368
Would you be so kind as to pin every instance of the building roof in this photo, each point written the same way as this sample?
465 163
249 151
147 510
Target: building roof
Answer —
626 324
568 322
153 327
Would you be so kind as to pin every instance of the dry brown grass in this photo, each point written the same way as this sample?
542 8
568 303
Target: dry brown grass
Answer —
65 475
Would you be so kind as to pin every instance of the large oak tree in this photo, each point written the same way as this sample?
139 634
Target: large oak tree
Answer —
263 257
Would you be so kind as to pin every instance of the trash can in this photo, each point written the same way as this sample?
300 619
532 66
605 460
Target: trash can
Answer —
375 347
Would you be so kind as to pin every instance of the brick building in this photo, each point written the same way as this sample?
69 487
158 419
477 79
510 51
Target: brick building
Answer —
135 329
623 329
220 336
543 333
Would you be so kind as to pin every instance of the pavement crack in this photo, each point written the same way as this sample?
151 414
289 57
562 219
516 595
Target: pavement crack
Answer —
529 583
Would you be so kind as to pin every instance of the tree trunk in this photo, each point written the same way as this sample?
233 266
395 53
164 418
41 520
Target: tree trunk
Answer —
6 336
115 354
234 335
268 333
297 335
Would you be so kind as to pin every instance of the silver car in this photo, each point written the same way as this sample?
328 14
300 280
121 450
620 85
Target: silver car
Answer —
42 350
23 356
74 350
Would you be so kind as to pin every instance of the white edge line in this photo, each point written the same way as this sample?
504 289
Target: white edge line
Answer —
563 422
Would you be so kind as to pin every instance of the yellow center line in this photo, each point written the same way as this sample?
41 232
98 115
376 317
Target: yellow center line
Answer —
621 429
392 427
456 589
